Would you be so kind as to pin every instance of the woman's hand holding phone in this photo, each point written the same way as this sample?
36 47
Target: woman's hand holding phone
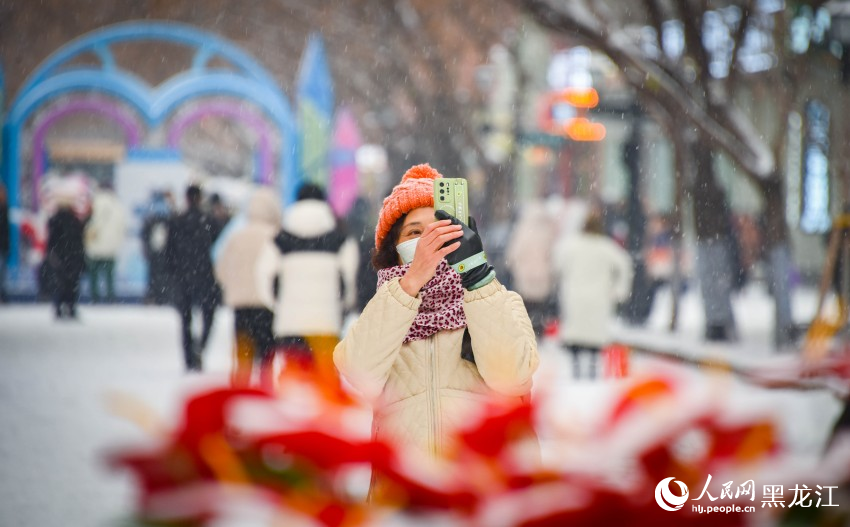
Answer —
433 246
469 260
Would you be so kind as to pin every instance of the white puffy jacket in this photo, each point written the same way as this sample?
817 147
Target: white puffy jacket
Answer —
423 390
529 254
317 261
595 275
106 229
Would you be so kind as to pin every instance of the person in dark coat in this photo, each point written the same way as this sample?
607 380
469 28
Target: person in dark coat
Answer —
154 240
66 259
361 229
219 214
190 238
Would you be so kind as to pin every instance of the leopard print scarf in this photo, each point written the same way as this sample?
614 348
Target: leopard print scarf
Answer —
442 301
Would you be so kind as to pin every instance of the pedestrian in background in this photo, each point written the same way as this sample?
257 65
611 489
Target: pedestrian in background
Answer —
154 239
219 214
104 235
190 239
529 259
433 346
318 268
246 268
595 274
65 257
361 228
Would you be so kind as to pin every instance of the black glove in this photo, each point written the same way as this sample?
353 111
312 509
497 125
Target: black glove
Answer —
469 259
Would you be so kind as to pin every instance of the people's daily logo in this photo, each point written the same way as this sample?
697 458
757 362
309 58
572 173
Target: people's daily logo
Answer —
773 497
666 499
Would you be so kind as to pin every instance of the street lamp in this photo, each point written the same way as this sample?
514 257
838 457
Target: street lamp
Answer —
839 29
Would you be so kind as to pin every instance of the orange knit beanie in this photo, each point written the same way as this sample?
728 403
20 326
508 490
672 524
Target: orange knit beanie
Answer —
415 190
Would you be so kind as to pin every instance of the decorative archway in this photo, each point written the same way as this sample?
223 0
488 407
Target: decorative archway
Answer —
53 78
105 107
231 110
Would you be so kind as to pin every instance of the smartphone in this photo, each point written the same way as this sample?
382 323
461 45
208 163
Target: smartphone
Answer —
450 195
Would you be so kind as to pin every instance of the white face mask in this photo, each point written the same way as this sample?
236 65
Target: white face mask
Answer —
406 250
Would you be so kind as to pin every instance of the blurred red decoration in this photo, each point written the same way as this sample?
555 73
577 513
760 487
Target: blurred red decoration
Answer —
293 455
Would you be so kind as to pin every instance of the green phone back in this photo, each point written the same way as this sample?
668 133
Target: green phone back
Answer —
451 195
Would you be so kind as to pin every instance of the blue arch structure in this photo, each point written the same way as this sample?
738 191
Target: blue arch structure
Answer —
250 82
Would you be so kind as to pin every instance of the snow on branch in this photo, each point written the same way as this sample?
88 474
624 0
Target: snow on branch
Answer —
763 162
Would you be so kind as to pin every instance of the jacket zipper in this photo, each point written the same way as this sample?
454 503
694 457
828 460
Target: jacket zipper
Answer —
433 399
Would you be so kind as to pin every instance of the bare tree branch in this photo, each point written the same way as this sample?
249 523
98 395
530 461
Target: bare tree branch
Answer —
737 43
657 17
657 20
648 76
692 23
788 86
600 11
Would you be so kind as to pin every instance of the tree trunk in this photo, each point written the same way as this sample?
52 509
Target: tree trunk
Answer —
500 191
639 305
778 258
711 212
497 212
682 175
714 255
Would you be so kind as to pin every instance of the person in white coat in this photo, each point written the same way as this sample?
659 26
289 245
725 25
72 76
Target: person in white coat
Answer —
529 259
104 235
246 269
317 274
595 274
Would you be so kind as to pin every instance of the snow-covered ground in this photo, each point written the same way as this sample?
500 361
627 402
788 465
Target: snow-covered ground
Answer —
753 308
58 379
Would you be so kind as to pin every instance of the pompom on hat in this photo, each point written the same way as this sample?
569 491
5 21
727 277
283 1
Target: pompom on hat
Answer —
415 190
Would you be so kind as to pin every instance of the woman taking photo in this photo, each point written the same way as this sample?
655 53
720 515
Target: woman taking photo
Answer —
433 344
